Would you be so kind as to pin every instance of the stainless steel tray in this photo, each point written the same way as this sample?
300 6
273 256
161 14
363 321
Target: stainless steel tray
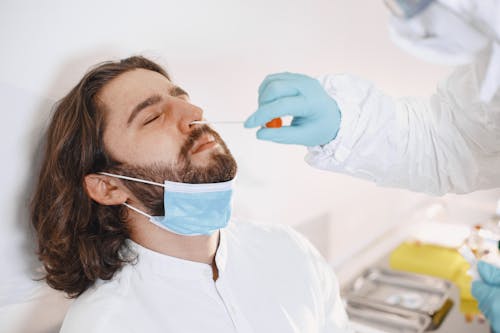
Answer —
420 293
382 318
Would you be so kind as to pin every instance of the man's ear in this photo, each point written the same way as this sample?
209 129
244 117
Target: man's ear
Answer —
103 190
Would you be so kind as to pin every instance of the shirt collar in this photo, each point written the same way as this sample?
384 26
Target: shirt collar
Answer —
166 265
221 253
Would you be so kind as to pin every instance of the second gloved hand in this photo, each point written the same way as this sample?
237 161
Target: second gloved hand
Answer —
316 116
487 293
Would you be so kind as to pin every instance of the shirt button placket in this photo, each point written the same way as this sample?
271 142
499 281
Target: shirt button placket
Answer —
228 303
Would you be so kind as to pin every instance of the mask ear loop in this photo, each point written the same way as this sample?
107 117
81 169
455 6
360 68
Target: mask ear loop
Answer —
136 180
132 179
137 210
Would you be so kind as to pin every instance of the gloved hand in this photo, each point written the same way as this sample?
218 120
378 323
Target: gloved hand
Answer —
316 116
487 293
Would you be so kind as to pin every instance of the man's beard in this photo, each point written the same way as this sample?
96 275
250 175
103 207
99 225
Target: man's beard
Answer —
221 167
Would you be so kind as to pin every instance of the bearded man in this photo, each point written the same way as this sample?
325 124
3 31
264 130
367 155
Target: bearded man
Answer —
132 212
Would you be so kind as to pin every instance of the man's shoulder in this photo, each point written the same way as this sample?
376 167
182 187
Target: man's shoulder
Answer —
246 227
273 234
278 249
93 311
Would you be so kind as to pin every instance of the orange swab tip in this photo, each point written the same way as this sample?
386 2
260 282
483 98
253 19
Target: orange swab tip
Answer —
275 123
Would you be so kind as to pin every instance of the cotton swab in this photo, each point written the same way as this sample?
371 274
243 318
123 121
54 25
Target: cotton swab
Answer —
216 122
275 123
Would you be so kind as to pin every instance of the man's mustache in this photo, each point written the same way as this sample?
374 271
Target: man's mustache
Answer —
193 137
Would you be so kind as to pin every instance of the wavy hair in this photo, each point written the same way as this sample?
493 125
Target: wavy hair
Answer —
79 241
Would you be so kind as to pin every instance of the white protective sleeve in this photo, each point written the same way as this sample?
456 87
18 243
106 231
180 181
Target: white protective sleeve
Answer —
454 32
449 142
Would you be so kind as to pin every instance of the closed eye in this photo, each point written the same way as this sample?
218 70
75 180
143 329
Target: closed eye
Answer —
152 119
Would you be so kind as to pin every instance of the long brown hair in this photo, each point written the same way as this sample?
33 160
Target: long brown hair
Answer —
79 241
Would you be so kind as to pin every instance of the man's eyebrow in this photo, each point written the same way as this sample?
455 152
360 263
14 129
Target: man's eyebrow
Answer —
178 91
154 99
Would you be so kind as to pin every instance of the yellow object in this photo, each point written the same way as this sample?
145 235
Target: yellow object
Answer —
437 261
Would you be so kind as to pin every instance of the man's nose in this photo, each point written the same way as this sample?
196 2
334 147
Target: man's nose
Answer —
191 114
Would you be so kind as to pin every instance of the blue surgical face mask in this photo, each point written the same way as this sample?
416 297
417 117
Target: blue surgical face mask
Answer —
190 209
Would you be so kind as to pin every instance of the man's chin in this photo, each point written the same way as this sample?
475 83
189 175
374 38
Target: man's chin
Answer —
211 166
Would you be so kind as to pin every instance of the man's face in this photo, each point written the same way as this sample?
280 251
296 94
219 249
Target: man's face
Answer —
148 131
148 121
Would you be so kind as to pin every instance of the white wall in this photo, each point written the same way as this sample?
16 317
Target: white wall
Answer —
219 51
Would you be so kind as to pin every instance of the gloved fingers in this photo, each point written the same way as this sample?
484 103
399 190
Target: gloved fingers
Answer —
287 106
488 297
488 301
279 77
286 134
277 89
480 290
489 273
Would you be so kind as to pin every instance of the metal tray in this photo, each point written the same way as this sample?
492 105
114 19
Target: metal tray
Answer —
382 318
420 293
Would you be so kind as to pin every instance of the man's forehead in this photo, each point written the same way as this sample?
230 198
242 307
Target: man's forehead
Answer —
132 86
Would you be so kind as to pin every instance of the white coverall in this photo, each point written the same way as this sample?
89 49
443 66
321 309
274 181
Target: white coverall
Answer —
449 142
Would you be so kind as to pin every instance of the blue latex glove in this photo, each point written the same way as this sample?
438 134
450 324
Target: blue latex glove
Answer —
487 293
316 116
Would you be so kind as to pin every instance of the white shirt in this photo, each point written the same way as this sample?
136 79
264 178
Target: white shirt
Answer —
449 142
271 279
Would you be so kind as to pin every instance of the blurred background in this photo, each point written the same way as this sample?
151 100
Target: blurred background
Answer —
219 51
